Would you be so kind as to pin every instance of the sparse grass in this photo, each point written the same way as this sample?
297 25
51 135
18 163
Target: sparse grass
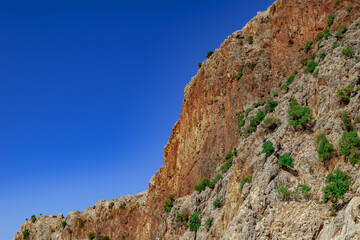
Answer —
122 205
258 104
217 178
319 36
303 189
271 123
335 45
299 116
217 202
319 43
346 121
342 29
283 191
325 148
245 180
239 75
286 161
169 203
348 52
208 223
316 73
240 121
307 46
251 65
322 55
183 218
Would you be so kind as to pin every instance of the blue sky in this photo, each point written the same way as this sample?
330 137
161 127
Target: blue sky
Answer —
89 93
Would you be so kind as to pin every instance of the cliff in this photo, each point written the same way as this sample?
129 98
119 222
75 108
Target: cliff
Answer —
213 121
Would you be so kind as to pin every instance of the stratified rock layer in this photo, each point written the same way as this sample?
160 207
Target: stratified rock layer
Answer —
207 129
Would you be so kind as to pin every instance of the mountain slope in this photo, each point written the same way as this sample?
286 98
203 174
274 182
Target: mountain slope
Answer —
208 129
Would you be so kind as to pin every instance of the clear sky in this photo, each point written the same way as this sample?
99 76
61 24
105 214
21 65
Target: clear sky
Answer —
89 93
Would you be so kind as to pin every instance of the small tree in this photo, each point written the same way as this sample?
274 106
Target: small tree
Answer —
194 222
26 234
91 236
169 203
205 182
63 224
299 116
337 184
325 147
209 54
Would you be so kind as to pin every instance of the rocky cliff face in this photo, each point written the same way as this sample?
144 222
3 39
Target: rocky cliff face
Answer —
208 128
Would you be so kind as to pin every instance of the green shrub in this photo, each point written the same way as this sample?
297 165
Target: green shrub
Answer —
254 85
209 54
194 222
63 224
239 75
344 98
319 36
229 155
91 236
349 142
349 8
286 161
349 89
346 121
122 205
217 202
275 94
290 79
337 184
258 119
227 165
322 55
199 64
270 105
310 66
354 157
250 39
169 203
303 189
299 116
203 184
244 180
208 223
342 29
283 191
268 148
217 178
33 218
330 20
81 222
251 65
271 123
105 238
307 45
26 234
111 205
247 111
325 147
183 218
240 121
348 52
327 33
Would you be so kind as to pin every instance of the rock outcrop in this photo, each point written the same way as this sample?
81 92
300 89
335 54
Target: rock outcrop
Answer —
208 128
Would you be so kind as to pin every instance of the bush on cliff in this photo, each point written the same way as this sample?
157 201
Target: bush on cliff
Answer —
194 222
169 203
325 147
205 182
299 116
